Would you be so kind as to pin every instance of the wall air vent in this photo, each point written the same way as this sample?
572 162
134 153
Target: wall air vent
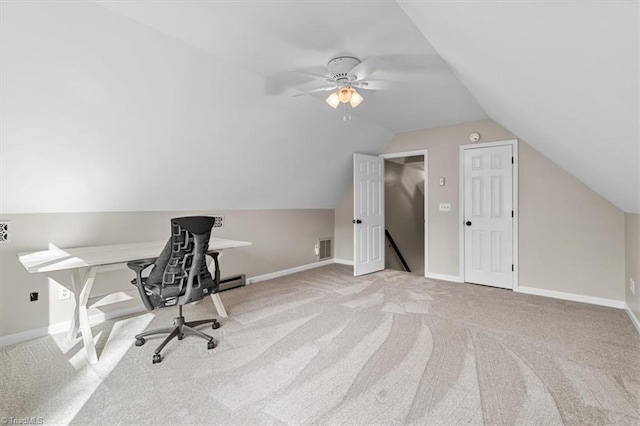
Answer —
5 231
325 249
218 221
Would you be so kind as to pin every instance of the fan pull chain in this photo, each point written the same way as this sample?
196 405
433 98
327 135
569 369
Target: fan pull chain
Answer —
345 115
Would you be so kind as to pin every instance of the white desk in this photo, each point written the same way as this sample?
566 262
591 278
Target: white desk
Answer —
84 263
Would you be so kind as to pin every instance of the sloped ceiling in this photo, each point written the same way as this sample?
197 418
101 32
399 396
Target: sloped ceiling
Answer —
561 75
122 106
118 106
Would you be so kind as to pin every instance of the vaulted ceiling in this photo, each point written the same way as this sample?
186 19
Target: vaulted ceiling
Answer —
116 106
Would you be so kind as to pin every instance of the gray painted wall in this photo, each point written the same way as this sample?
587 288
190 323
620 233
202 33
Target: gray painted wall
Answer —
281 239
632 260
571 239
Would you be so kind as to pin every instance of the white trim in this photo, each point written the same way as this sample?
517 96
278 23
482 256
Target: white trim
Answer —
404 154
634 318
60 327
612 303
289 271
100 317
444 277
516 212
425 154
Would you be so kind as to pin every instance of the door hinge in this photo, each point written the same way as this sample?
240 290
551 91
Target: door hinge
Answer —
511 213
511 160
512 268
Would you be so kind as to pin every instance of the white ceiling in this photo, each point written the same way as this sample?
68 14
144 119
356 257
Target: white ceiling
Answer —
117 106
562 76
274 39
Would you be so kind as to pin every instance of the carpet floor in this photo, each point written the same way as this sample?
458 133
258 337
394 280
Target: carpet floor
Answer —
323 347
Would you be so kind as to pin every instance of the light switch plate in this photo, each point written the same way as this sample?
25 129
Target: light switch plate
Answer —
445 207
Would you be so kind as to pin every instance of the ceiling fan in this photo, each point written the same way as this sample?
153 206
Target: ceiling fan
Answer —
346 75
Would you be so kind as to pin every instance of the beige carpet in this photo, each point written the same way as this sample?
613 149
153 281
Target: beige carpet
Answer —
324 347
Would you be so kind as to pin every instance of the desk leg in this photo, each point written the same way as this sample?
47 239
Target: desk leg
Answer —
218 304
81 313
75 321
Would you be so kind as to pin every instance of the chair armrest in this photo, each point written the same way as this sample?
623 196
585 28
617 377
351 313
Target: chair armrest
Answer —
214 255
140 265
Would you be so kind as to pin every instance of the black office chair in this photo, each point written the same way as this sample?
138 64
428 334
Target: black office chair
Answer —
179 275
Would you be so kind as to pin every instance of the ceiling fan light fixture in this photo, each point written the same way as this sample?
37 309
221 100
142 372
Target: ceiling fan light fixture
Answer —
356 98
345 94
333 100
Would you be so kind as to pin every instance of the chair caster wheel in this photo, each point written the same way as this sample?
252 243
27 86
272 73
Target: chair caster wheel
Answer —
157 358
211 344
215 325
140 341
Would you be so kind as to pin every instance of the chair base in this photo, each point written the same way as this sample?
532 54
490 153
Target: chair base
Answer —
180 329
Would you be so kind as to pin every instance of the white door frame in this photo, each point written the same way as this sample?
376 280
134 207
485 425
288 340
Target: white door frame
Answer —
425 154
514 145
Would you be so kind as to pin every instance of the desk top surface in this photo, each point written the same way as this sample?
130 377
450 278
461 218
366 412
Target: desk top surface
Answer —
80 257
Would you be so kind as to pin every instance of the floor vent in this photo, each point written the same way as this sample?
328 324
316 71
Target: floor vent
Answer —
326 249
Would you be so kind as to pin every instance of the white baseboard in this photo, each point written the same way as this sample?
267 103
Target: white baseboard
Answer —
620 304
94 319
634 318
99 317
289 271
444 277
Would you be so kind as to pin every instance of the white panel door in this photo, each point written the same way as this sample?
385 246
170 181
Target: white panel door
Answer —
488 216
368 209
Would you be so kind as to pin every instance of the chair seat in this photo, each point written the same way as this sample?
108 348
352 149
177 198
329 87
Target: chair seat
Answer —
169 291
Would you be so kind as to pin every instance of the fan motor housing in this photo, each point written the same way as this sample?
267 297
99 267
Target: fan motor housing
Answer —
339 67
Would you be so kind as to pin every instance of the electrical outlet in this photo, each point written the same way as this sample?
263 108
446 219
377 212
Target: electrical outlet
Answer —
445 207
632 286
33 296
317 250
63 293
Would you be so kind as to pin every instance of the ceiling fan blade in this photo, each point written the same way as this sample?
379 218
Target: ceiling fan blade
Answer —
321 89
312 85
380 85
365 68
315 76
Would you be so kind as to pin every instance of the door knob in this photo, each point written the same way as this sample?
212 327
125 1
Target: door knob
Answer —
468 223
357 221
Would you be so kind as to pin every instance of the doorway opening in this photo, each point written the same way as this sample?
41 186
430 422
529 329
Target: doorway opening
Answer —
405 202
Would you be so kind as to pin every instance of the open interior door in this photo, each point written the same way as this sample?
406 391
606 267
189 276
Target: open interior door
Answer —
368 209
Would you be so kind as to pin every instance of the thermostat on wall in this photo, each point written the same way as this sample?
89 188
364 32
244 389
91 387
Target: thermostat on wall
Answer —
474 137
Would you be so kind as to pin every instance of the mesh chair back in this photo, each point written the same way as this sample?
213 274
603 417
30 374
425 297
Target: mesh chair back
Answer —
180 274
